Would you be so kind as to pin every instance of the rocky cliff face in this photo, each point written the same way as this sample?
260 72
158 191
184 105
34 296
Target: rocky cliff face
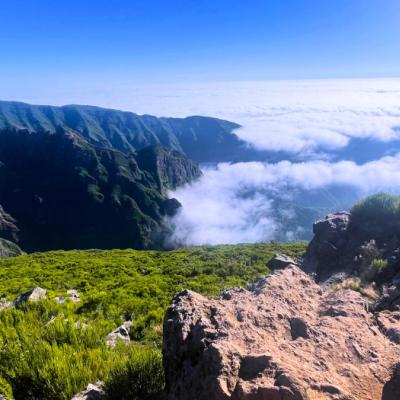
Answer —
284 339
169 169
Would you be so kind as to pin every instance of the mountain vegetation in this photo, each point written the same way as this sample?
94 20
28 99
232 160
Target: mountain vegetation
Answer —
61 192
52 350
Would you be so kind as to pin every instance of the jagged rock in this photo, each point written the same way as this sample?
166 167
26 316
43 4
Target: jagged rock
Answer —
121 333
33 295
92 392
286 339
280 261
327 251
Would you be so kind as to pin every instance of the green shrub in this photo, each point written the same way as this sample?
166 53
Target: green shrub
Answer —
140 376
376 217
379 264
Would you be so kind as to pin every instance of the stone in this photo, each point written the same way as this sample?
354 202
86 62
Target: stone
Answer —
92 392
121 333
280 261
36 294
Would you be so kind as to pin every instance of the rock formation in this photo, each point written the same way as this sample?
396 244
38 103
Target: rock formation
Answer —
92 392
9 249
284 339
328 250
279 261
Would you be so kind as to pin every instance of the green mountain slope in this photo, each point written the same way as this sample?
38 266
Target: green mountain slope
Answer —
200 138
66 193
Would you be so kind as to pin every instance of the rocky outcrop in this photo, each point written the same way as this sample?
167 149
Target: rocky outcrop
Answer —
329 246
285 339
279 261
8 227
92 392
34 295
9 249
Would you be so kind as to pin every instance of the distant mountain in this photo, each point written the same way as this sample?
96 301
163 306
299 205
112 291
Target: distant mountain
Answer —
202 139
61 192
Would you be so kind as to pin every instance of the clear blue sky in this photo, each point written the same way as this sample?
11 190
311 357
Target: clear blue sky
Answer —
90 42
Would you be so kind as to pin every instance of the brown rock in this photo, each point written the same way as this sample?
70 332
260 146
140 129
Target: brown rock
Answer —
285 339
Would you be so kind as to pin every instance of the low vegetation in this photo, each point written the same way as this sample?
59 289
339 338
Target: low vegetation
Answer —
377 217
52 351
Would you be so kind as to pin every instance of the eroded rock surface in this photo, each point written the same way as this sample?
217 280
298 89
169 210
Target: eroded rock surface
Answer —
285 339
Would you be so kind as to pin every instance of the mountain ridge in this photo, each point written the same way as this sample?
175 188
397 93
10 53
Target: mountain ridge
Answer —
129 132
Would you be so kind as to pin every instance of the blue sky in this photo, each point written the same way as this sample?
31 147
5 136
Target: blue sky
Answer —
87 44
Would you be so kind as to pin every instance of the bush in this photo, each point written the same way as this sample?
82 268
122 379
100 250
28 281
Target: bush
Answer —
376 217
142 375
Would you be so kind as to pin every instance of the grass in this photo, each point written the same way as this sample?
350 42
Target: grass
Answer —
52 351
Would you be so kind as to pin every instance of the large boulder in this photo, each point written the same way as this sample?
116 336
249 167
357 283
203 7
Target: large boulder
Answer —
285 339
325 253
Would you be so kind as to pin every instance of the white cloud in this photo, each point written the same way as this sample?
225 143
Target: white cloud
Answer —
296 116
233 203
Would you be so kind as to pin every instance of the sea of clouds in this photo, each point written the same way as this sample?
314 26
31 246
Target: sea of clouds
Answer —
234 203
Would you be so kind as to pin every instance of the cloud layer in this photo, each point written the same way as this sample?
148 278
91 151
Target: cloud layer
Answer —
236 203
295 116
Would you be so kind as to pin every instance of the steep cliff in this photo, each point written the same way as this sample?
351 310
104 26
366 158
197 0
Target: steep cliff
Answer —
64 193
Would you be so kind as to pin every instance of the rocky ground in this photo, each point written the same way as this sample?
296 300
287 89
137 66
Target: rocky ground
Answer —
284 339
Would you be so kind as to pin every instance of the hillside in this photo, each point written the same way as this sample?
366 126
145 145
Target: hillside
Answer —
61 192
202 139
112 286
